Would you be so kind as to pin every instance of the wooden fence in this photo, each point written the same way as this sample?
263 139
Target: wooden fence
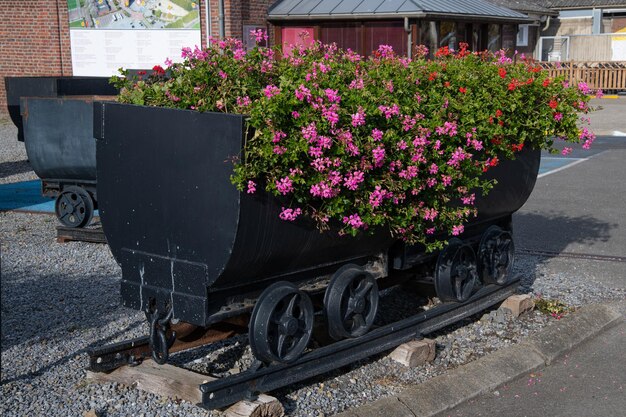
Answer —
608 76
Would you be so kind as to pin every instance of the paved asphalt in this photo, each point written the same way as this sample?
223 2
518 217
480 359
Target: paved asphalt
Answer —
589 381
579 210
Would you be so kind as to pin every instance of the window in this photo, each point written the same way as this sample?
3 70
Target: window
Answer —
509 34
428 35
448 35
248 39
494 42
522 35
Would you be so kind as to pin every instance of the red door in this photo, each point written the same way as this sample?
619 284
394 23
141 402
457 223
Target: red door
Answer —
296 36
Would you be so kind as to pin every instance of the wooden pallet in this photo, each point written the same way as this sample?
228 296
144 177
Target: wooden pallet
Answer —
70 234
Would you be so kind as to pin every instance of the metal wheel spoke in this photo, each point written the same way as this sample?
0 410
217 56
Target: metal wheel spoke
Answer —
458 286
66 201
290 306
357 322
363 288
349 312
280 344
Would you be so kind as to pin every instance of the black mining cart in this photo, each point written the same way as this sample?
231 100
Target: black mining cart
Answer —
54 118
205 261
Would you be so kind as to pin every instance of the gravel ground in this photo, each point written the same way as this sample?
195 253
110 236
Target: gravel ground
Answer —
14 165
59 299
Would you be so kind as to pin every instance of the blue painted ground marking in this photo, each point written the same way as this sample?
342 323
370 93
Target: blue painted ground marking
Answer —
550 164
26 196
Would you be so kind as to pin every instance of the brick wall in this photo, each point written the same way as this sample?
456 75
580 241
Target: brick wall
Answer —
35 36
31 42
238 13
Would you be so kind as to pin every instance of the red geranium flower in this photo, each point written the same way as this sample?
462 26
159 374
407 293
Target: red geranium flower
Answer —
445 51
553 104
502 72
158 70
463 90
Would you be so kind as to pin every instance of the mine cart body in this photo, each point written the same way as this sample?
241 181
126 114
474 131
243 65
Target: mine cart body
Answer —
54 117
186 238
18 87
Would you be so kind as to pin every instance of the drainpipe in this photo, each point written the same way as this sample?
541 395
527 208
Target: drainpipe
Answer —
208 17
409 38
220 5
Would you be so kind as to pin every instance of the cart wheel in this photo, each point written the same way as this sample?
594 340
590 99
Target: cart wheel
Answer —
350 302
455 273
74 207
496 254
281 323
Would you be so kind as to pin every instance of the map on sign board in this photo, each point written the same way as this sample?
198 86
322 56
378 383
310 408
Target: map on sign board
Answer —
134 14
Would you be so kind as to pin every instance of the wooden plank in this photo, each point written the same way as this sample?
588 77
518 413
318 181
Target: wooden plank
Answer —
414 353
70 234
163 380
264 406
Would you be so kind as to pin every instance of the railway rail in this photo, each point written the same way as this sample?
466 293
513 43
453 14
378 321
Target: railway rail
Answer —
261 377
574 255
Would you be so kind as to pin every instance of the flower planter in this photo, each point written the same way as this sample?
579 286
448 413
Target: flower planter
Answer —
186 239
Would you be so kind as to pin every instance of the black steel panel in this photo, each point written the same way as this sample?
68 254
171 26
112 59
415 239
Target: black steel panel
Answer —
18 87
515 181
164 190
267 246
59 141
85 86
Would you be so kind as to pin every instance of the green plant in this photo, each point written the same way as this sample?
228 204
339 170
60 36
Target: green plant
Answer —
363 144
553 307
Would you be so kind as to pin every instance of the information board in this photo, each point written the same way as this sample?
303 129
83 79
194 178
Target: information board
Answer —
106 35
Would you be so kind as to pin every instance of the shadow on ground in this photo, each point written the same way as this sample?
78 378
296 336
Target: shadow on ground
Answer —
14 167
554 232
43 306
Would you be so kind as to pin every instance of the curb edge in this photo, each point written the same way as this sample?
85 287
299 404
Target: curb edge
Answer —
448 390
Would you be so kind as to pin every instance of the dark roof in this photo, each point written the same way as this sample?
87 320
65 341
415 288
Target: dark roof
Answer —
581 4
373 9
527 6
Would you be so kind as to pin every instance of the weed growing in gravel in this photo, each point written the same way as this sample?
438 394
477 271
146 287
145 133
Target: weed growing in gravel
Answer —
553 307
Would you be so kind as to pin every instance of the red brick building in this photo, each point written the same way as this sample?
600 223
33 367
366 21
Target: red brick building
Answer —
35 34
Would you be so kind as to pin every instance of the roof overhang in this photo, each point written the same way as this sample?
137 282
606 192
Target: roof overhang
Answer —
294 10
387 16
